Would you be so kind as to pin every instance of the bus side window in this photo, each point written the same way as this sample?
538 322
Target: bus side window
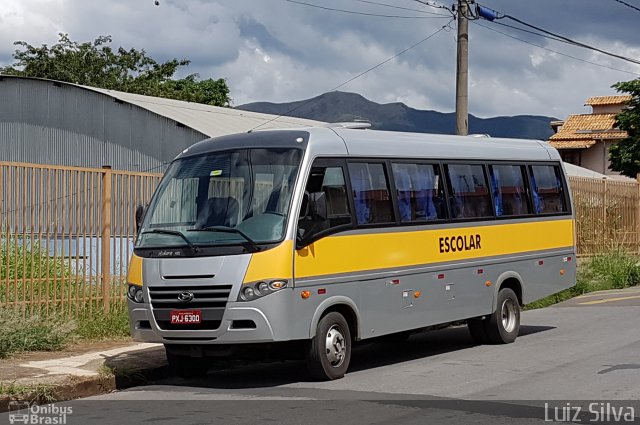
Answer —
370 193
330 180
508 188
547 189
419 191
470 197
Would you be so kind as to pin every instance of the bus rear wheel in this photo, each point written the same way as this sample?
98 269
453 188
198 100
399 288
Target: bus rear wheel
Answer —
503 325
329 351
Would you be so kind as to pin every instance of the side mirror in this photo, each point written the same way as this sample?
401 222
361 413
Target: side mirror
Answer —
139 217
318 206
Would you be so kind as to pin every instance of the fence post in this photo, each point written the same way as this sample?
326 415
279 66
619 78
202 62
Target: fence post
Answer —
105 260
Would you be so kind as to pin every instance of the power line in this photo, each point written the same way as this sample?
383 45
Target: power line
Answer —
357 76
576 43
399 7
353 12
628 5
555 51
532 32
564 39
435 5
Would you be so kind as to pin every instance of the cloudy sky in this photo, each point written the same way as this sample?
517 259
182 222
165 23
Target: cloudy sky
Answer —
277 50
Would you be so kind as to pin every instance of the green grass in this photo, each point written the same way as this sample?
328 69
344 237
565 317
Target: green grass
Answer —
615 269
97 325
20 333
34 393
32 333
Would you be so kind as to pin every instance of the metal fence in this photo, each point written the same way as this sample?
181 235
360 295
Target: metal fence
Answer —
66 236
67 233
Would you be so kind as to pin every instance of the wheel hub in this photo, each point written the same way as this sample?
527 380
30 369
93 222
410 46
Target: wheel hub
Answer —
335 346
509 314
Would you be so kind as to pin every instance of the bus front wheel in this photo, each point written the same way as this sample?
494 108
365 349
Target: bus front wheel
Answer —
503 325
329 351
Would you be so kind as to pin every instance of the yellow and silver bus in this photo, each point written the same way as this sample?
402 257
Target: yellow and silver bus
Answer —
302 242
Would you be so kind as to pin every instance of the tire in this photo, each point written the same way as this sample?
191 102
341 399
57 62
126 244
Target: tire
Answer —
504 324
186 366
478 331
329 351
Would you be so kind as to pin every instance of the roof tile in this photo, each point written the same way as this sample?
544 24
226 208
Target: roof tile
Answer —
585 128
607 100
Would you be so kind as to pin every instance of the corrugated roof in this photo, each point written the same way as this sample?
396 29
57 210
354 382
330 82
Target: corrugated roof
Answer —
211 120
582 131
607 100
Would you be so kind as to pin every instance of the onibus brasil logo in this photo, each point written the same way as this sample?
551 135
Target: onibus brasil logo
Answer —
23 412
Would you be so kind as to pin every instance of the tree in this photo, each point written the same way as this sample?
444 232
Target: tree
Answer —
625 155
97 64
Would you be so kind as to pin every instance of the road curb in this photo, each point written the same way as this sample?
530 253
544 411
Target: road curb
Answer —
75 387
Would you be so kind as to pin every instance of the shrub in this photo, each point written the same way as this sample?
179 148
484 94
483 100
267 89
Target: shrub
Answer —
615 269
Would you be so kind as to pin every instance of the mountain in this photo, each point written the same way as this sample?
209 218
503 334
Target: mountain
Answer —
341 106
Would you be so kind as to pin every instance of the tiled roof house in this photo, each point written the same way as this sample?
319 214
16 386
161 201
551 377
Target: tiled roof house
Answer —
585 139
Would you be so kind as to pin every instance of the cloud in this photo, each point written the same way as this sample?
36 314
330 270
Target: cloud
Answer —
280 51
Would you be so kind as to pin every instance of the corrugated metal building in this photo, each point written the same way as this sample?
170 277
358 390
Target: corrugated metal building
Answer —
58 123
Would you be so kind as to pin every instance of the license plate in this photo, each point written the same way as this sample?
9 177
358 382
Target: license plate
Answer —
186 317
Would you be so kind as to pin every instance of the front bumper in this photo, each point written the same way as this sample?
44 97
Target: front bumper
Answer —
144 328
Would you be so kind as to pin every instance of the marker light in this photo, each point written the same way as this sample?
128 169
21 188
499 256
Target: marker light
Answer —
305 294
277 284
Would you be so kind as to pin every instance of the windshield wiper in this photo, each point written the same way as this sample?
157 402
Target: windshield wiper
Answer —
192 247
251 246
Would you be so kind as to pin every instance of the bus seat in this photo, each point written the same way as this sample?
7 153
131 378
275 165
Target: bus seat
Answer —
336 200
219 212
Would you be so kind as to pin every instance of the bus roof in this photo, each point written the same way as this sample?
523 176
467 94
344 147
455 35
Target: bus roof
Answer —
341 141
399 144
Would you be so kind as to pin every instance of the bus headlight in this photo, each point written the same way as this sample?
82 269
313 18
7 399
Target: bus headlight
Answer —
134 293
248 293
259 289
263 287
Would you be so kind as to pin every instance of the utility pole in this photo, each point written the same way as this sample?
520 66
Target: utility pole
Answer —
462 71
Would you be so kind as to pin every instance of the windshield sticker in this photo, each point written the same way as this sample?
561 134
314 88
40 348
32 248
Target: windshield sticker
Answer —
215 173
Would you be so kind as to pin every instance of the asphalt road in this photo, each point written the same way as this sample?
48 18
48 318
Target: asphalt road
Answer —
581 350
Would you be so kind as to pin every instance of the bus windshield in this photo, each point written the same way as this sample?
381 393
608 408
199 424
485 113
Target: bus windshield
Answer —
234 197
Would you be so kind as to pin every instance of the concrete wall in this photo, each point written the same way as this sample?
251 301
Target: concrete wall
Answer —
596 158
606 109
